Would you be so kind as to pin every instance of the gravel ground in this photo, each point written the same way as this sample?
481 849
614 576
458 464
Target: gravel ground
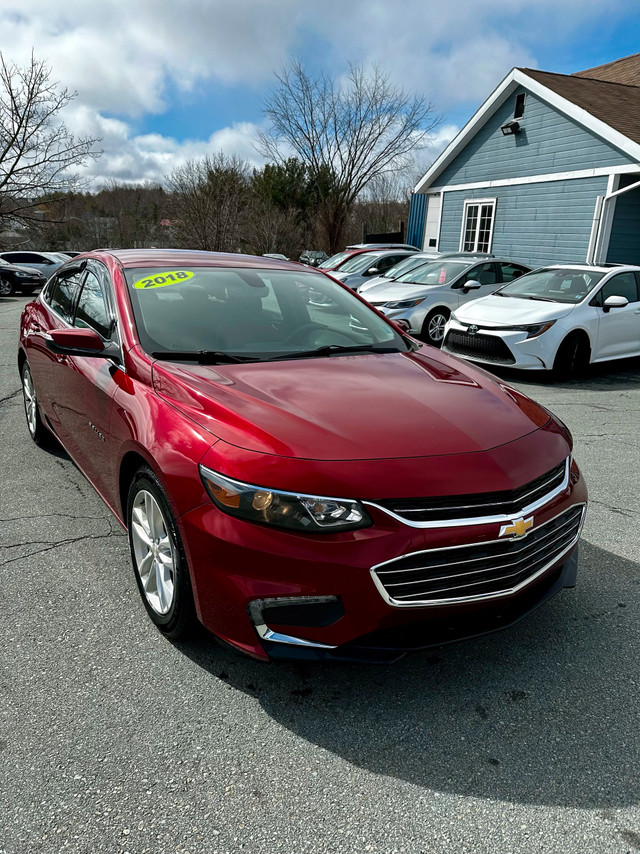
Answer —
114 740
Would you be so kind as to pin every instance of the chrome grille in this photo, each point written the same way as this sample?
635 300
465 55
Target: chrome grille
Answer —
479 505
478 571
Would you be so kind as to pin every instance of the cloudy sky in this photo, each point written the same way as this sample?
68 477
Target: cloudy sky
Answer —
162 81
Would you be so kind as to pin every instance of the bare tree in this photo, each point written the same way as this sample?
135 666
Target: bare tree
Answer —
347 133
37 151
210 202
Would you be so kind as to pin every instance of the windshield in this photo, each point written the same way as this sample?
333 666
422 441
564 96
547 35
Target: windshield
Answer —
360 262
407 264
335 260
551 285
435 273
254 313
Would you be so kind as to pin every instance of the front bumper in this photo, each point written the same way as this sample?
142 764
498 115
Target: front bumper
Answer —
234 563
508 348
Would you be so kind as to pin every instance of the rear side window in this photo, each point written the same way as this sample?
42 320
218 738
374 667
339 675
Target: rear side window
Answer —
483 273
512 271
62 296
92 311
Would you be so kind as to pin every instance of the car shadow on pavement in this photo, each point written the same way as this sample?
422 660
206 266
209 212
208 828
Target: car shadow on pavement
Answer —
619 375
545 712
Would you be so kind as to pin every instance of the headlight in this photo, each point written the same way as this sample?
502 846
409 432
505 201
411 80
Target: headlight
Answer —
292 510
23 275
536 329
404 303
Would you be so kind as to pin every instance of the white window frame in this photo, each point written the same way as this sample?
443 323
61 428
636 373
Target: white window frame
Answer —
480 202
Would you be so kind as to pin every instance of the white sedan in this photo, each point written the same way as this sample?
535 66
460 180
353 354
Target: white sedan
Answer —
559 318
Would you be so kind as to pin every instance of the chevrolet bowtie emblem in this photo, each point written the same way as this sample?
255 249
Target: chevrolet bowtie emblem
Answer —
518 527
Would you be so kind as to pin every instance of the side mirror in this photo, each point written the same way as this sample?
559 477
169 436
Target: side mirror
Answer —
614 302
372 271
472 285
79 342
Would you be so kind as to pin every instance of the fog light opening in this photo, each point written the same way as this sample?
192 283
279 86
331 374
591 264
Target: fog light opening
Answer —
312 611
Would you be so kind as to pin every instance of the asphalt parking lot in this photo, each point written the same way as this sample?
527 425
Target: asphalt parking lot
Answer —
114 740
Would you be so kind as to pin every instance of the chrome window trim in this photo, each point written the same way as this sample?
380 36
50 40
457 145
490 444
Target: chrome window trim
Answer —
116 326
498 518
479 597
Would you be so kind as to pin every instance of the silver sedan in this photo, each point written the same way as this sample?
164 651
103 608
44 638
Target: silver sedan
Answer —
423 299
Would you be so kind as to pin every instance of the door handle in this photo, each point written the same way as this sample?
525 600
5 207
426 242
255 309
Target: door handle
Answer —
637 311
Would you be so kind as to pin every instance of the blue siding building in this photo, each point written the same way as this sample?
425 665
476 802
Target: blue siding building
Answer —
547 171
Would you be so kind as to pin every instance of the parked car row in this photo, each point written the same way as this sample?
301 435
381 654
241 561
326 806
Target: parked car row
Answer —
472 306
27 271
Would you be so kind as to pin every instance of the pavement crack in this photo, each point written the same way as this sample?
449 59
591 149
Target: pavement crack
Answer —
53 516
49 546
11 396
613 508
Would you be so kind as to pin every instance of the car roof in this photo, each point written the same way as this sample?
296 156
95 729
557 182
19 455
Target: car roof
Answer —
367 246
192 257
597 268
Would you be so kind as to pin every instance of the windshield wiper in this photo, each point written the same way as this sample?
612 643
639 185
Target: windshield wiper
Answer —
543 299
334 350
203 357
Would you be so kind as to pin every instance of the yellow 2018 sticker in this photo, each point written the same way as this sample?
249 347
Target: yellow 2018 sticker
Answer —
161 280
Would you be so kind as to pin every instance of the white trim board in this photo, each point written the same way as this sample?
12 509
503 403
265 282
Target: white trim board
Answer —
538 179
511 82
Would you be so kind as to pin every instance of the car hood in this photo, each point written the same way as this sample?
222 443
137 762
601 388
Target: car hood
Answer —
19 268
389 291
370 406
502 311
374 283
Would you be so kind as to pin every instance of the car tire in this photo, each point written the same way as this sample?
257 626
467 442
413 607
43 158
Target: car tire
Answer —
433 326
6 288
40 434
572 358
158 557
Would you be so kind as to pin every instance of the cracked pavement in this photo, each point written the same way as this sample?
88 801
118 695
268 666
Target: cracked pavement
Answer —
114 740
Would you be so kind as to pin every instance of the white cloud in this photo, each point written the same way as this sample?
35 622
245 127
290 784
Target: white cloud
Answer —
134 158
131 59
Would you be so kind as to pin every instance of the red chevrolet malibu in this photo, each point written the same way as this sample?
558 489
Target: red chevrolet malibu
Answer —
304 488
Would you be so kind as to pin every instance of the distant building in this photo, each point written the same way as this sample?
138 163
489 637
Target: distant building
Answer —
547 170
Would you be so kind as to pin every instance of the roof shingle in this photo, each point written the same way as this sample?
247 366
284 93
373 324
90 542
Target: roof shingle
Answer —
625 70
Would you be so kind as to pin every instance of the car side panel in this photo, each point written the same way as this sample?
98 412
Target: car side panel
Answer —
145 424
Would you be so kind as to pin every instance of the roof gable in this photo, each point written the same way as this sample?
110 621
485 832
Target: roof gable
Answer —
558 94
616 104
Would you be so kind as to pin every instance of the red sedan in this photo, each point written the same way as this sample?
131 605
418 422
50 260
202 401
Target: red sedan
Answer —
305 489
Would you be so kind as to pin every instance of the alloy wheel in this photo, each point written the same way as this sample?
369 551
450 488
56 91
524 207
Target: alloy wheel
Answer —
435 329
153 550
6 288
30 402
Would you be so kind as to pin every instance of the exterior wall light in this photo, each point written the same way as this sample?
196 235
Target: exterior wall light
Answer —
510 127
